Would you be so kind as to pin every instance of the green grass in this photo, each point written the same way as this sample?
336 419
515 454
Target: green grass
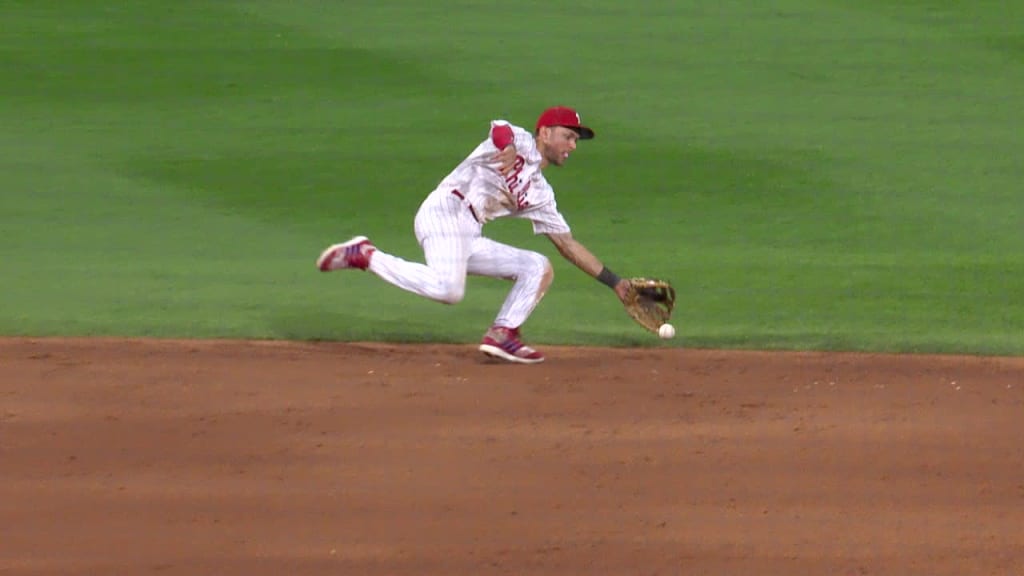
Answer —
817 174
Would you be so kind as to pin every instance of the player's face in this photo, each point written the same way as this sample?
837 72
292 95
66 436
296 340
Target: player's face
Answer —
557 142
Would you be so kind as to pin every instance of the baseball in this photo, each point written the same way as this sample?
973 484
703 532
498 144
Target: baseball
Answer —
667 331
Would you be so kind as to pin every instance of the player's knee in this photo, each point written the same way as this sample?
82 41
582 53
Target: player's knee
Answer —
538 266
548 275
452 293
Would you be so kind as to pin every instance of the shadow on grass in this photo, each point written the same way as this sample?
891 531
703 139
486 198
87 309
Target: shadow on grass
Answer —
339 326
315 325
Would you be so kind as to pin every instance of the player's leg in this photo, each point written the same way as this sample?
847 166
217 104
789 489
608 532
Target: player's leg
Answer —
442 278
446 232
530 271
531 274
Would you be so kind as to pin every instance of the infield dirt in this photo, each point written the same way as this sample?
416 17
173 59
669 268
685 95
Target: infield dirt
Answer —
223 457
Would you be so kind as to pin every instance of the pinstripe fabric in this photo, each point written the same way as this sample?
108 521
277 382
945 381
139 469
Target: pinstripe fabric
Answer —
526 268
454 247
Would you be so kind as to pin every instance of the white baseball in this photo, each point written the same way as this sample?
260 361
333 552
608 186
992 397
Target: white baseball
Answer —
667 331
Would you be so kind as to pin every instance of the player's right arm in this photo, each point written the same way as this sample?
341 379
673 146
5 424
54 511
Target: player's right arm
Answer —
504 139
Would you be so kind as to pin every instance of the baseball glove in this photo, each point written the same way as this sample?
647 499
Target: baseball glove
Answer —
650 302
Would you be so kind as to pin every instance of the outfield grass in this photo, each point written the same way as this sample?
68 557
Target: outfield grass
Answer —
810 173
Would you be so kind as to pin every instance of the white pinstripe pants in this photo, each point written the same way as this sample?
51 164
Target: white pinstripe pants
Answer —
453 247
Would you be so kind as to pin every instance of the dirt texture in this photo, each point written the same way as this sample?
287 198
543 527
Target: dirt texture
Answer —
252 458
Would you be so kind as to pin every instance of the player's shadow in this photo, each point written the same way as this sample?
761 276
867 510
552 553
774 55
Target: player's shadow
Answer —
317 324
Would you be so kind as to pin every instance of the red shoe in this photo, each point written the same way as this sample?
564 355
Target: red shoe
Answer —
352 254
504 343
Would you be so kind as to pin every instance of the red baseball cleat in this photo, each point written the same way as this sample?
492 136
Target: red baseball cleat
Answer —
504 343
352 254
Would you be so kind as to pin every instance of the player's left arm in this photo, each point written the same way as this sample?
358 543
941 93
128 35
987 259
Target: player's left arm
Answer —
575 252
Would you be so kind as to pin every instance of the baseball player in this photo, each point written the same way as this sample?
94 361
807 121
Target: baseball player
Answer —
501 178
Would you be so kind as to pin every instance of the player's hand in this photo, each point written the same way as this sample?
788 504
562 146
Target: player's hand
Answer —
622 290
505 159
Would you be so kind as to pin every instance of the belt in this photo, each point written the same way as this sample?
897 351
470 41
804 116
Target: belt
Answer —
472 210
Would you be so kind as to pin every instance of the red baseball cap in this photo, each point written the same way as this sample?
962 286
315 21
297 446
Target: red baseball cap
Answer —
564 116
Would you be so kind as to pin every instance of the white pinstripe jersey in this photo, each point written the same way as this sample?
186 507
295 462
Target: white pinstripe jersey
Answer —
524 193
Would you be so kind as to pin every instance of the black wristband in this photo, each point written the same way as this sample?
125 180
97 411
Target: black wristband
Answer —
608 278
